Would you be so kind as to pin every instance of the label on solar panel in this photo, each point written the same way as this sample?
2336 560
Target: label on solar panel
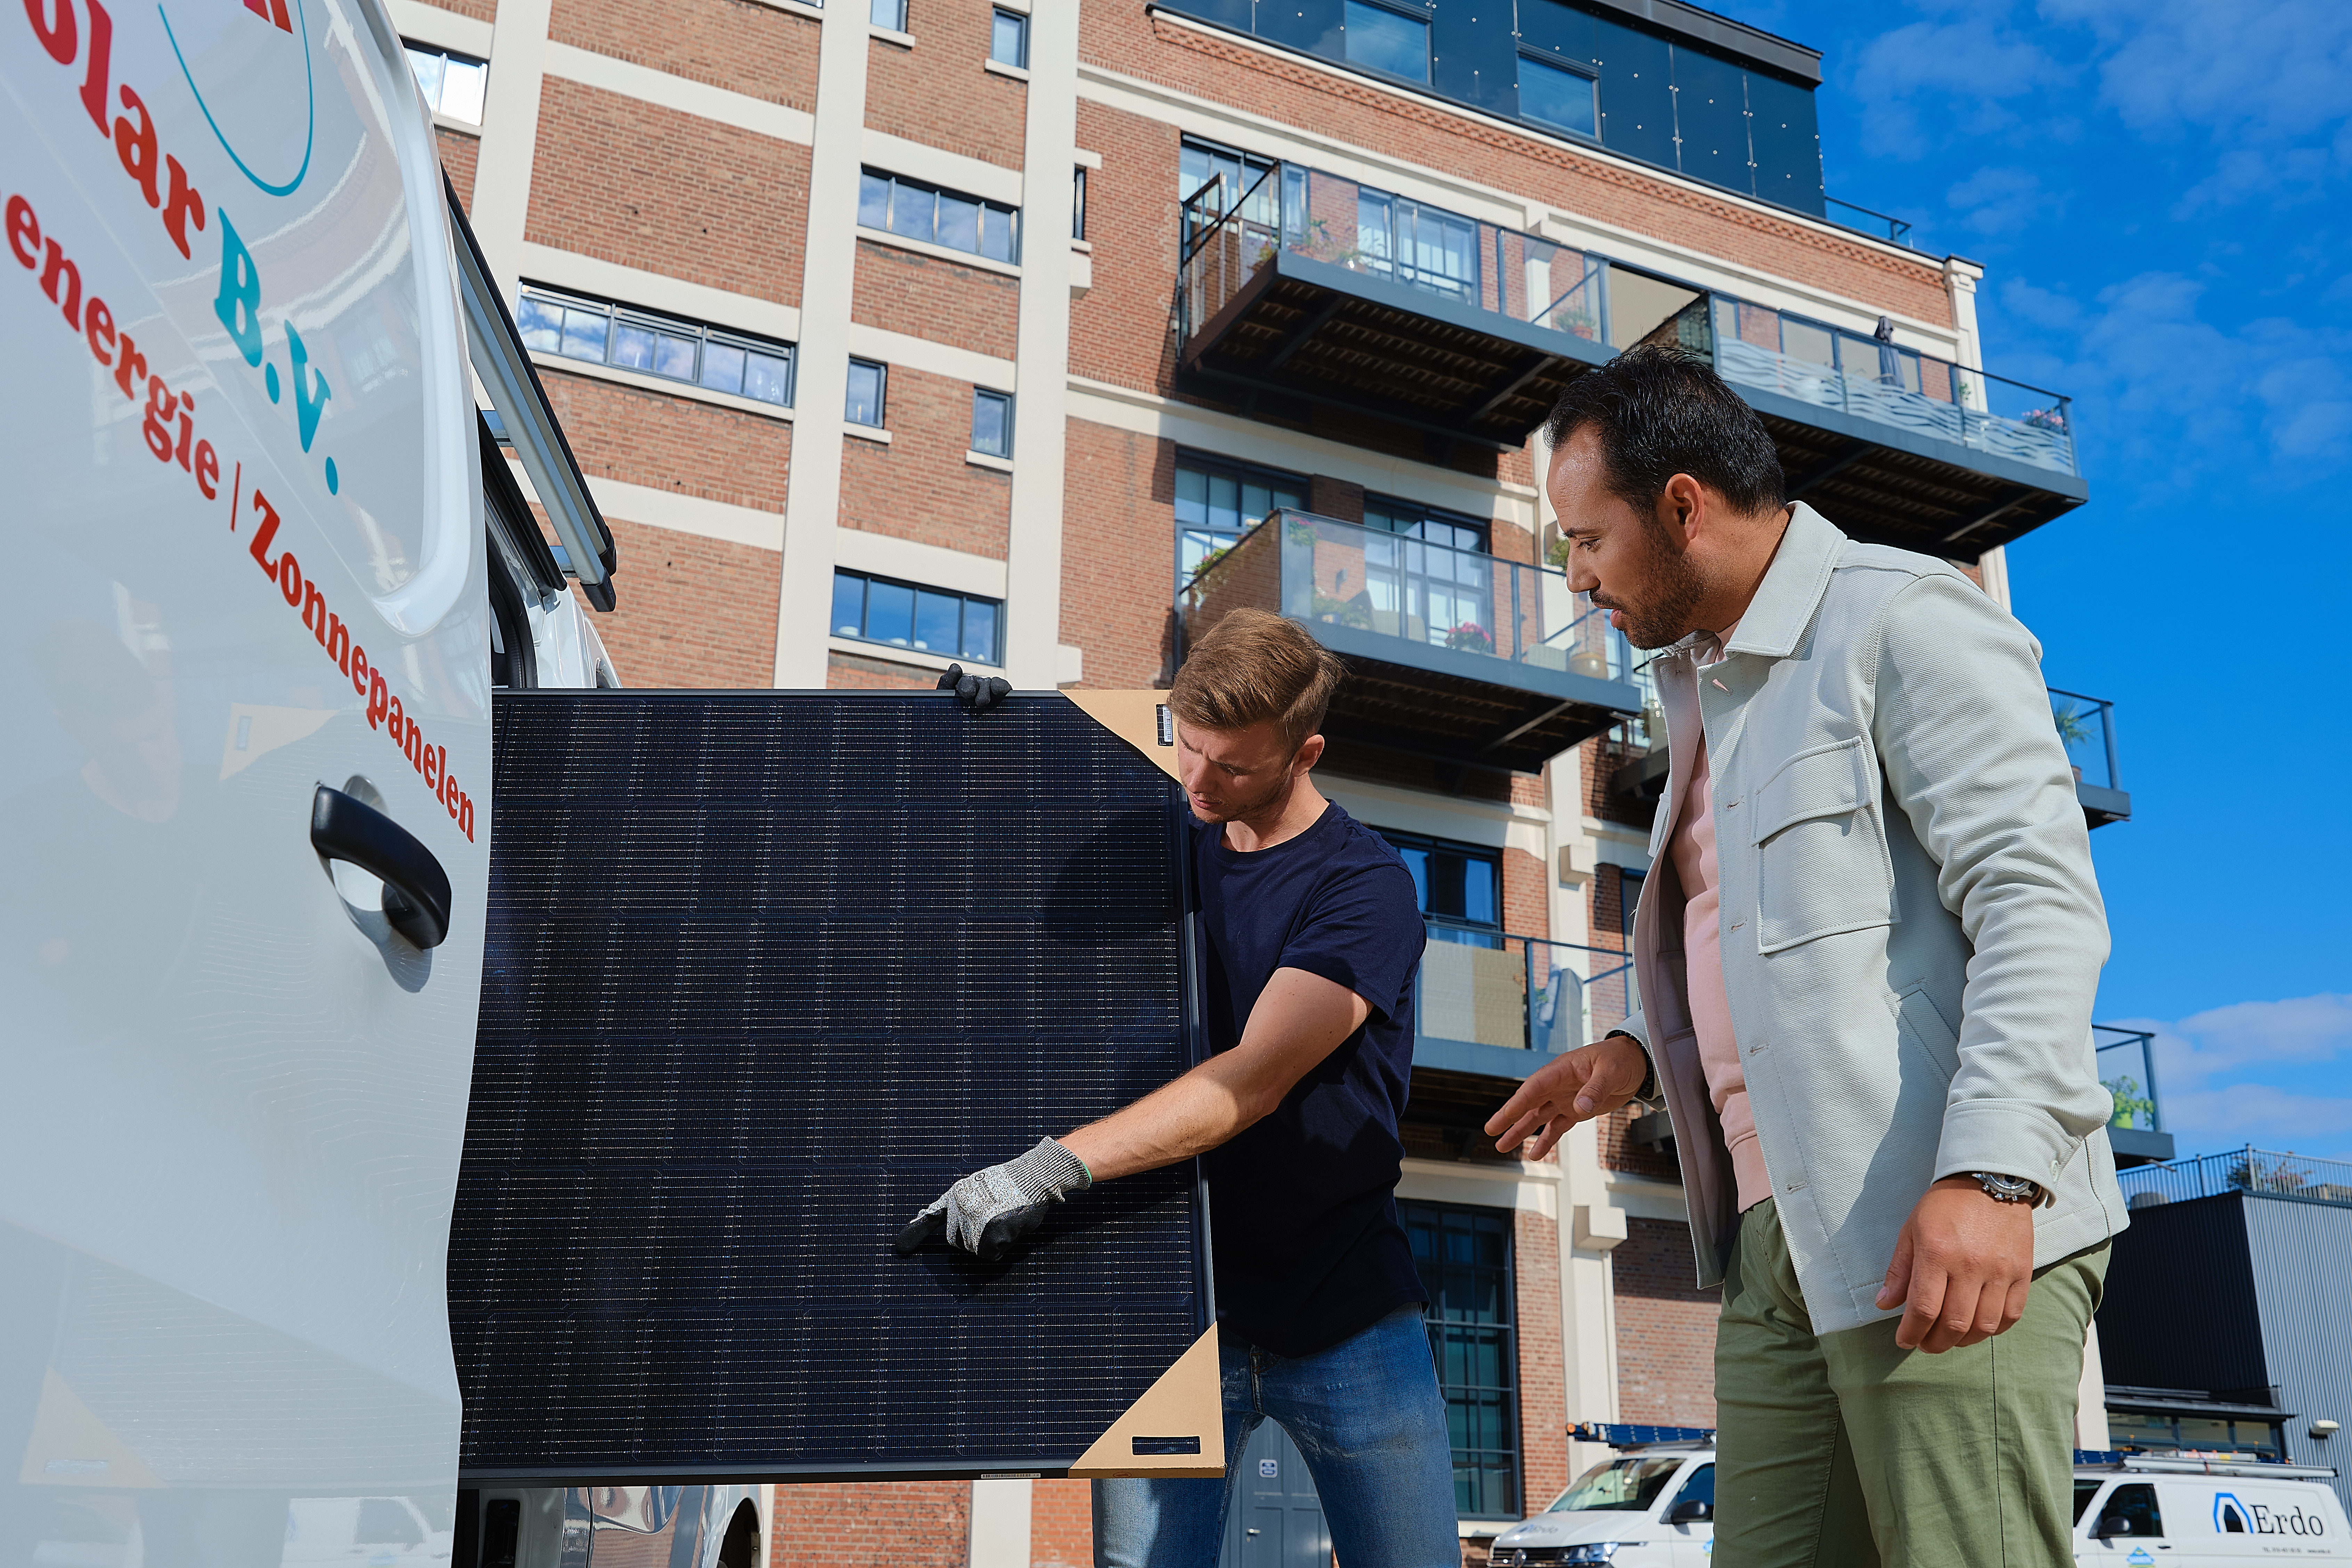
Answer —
766 973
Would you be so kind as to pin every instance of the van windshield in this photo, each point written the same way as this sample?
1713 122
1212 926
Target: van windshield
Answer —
1621 1486
2084 1492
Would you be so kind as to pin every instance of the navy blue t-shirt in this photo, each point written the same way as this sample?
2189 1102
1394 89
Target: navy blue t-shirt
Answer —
1302 1205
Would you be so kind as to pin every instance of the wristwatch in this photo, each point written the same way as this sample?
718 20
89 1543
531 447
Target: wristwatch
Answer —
1649 1089
2004 1189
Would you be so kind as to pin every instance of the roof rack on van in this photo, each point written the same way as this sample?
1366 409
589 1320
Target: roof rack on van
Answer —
2196 1465
1618 1434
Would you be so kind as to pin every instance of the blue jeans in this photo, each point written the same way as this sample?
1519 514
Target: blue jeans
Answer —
1370 1423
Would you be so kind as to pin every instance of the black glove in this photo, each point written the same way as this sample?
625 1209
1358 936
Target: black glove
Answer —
991 1213
978 692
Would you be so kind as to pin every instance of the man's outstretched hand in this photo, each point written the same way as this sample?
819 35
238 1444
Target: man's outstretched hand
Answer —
1577 1086
1963 1263
991 1213
978 692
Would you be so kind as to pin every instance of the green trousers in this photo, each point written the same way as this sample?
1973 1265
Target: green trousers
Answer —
1843 1451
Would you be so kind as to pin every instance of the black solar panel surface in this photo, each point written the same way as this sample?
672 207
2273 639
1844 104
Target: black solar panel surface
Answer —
766 972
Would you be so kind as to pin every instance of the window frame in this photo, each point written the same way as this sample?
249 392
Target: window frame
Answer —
891 184
898 9
1078 201
994 658
706 335
881 420
997 16
410 48
1241 473
981 394
1417 14
1486 855
1566 67
1508 1356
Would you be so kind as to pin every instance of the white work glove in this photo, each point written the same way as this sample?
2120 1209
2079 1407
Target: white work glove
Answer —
990 1212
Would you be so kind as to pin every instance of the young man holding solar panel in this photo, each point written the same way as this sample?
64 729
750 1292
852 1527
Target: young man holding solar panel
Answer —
1313 936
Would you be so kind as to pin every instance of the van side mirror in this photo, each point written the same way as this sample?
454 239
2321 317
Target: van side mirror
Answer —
2114 1524
1690 1511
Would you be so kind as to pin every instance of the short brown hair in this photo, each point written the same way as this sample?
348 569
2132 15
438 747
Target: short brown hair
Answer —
1254 666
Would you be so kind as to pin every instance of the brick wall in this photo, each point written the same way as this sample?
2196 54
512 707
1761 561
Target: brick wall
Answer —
480 10
738 45
692 610
459 153
909 1525
1665 1328
930 297
630 181
853 672
1136 42
1527 893
919 487
1543 1375
1118 331
672 443
941 93
1061 1524
1118 555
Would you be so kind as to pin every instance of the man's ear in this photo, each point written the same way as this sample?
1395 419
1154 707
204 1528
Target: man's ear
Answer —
1310 751
1681 506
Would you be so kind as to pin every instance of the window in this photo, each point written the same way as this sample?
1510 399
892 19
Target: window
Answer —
2132 1506
1008 40
992 422
867 384
1700 1488
1199 162
1559 96
1387 40
929 620
1619 1486
1217 502
923 212
1459 885
452 84
1434 582
1078 201
888 15
1420 246
666 346
1464 1258
1628 901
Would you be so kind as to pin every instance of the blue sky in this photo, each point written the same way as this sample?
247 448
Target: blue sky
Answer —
2161 193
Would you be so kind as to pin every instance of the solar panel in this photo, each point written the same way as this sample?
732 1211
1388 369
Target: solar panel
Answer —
765 972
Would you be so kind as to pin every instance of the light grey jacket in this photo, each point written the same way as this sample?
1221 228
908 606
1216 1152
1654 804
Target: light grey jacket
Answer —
1911 931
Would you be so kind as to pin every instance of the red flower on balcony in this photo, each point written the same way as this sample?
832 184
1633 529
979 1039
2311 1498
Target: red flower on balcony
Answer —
1471 637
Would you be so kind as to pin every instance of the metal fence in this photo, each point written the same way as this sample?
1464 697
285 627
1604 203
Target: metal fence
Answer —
2246 1169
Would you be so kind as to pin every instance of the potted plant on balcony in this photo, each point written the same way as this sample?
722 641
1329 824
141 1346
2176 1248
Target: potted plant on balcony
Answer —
1470 638
2072 729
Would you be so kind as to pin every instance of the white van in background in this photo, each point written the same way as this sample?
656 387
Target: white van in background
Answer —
2142 1508
1651 1506
272 448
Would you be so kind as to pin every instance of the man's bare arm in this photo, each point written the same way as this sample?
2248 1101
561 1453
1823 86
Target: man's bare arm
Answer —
1299 1019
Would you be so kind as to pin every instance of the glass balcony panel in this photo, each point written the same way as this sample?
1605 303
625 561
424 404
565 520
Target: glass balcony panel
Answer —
2082 725
2126 1059
1492 988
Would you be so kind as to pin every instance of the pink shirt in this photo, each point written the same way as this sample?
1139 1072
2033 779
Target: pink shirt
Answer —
1693 852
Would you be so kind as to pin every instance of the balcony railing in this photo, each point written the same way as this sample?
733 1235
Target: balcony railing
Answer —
2087 726
1482 987
2246 1169
1465 266
1863 220
1462 637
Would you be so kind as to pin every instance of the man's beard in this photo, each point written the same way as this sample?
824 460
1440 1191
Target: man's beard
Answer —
1666 618
1275 796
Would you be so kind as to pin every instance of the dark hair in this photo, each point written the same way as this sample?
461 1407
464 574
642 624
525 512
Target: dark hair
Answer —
1662 411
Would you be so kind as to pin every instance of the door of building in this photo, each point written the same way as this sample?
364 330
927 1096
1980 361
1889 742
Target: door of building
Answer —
1276 1521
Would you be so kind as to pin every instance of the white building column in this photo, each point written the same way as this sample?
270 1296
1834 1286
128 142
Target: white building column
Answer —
1000 1525
1592 1227
1032 606
820 367
509 143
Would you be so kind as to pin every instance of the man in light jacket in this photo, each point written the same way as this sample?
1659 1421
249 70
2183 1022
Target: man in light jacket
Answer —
1867 953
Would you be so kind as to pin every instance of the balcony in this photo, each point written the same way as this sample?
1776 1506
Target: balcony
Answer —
2127 1068
2087 725
1326 290
1454 655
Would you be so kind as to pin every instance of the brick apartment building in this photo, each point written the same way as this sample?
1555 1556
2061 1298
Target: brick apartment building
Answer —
894 332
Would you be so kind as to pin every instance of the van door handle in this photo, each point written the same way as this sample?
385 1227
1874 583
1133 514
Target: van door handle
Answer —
416 889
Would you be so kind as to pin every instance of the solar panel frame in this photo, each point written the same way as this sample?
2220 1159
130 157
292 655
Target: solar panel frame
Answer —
649 1362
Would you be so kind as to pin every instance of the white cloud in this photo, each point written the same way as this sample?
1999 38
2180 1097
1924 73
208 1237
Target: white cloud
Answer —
2266 1073
2003 200
2276 69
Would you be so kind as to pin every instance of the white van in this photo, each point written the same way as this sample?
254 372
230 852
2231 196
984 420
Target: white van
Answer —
1653 1506
2145 1509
